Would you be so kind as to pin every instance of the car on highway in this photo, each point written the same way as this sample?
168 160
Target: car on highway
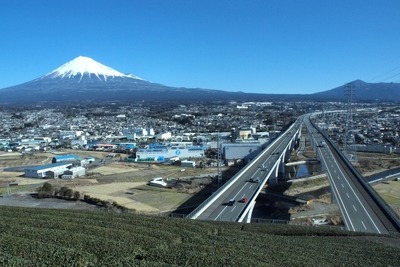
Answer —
254 180
244 200
231 202
322 144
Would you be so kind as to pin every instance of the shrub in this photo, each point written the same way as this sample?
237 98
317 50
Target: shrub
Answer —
45 191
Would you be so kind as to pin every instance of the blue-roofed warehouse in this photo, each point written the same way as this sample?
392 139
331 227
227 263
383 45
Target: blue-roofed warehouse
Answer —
66 158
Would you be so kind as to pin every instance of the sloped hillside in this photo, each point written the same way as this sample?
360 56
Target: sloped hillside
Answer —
40 237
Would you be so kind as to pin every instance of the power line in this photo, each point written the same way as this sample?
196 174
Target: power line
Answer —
381 77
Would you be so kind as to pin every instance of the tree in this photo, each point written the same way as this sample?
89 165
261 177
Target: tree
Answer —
48 187
65 192
46 191
77 195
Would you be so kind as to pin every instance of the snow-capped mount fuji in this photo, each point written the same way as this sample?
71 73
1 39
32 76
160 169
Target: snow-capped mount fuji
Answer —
85 80
82 66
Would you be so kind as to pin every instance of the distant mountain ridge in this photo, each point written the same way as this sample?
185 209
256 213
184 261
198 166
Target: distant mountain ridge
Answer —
85 80
363 91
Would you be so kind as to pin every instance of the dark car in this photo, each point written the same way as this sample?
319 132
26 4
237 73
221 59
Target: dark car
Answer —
231 202
244 200
254 180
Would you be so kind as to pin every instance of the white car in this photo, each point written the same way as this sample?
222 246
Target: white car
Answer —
159 181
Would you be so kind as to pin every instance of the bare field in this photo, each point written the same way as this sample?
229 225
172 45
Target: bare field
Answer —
122 182
371 163
390 192
19 159
118 192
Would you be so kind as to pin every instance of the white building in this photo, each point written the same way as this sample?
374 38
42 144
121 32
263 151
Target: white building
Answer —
74 172
69 134
164 136
132 133
46 171
161 154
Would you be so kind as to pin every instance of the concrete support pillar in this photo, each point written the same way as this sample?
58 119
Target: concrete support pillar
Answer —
273 178
286 155
281 168
250 213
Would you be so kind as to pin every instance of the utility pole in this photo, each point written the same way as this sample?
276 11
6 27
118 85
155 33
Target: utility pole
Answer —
219 161
349 140
8 189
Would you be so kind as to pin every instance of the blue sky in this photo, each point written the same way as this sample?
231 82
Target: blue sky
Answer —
265 46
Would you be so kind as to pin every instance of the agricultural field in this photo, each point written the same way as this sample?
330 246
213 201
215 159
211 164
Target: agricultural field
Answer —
109 179
390 192
45 237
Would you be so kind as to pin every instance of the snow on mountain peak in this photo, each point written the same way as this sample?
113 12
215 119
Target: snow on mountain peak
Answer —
85 65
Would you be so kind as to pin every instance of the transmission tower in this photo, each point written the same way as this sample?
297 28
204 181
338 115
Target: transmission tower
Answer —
349 141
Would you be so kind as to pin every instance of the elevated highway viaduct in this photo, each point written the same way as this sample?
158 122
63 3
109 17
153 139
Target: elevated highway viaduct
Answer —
361 208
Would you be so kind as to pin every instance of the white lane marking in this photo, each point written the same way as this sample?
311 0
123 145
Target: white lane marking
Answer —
233 208
342 207
233 198
348 196
220 213
239 191
364 225
354 208
342 185
359 201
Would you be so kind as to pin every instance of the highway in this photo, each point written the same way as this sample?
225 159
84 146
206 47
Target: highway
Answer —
260 168
360 207
357 214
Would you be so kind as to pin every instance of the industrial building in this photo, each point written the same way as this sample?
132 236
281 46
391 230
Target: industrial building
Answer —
126 146
246 150
374 148
163 153
47 171
76 161
65 158
187 163
73 173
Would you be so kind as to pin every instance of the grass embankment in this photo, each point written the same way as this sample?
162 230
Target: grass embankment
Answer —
40 237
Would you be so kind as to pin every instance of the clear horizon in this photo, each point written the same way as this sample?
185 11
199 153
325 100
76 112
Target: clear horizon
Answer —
260 46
